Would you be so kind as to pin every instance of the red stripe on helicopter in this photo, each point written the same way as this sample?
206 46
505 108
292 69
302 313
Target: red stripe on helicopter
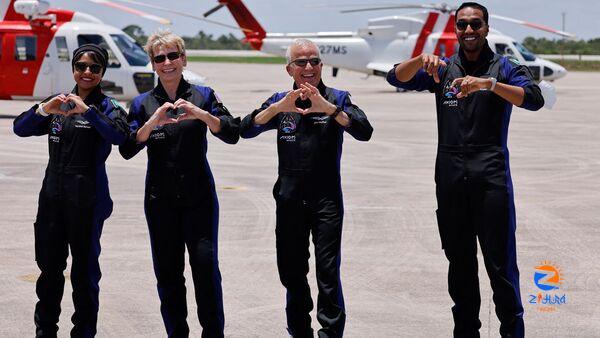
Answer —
425 31
447 35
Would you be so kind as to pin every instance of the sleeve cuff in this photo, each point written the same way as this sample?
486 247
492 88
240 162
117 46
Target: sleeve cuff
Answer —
40 110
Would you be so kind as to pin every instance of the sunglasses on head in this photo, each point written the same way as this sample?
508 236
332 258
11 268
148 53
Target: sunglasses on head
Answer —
475 24
172 56
303 62
82 66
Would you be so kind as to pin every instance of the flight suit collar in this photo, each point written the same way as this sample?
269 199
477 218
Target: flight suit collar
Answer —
485 57
184 90
95 97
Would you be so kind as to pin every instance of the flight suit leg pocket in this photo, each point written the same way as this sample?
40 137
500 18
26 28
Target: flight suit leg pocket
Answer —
80 191
37 241
442 228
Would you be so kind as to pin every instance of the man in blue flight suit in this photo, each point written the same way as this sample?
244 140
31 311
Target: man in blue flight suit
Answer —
310 122
475 90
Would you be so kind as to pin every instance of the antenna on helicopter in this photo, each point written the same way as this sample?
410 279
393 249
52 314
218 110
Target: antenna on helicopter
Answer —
214 9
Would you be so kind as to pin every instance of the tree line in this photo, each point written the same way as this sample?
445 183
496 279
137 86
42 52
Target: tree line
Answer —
200 41
559 46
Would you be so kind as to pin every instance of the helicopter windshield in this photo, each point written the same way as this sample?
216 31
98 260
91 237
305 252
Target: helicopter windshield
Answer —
134 54
527 54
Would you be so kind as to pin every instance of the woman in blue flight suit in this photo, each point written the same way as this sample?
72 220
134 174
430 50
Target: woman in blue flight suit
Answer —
180 201
74 200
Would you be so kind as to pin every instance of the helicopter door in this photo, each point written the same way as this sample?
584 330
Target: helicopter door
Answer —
62 79
21 71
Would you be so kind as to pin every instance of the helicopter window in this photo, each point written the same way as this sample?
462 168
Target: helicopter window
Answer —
134 54
82 39
527 54
503 49
61 48
25 48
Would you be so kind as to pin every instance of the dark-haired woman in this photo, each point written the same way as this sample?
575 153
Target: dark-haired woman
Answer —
74 200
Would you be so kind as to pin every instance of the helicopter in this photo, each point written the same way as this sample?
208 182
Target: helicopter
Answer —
36 43
373 50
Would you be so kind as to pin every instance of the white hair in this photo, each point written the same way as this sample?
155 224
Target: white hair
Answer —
300 42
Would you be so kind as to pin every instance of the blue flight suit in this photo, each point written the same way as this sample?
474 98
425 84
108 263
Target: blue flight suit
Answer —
74 202
474 187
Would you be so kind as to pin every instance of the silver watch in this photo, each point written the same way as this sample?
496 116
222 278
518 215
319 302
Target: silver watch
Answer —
493 83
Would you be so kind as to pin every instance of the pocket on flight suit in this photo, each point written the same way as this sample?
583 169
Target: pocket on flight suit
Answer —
37 241
442 228
80 191
195 190
276 188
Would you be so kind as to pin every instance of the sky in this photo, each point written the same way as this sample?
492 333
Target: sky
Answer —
286 16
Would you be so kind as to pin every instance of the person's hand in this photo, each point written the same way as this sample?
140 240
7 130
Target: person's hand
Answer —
470 84
190 111
288 103
53 105
80 106
317 101
160 118
431 64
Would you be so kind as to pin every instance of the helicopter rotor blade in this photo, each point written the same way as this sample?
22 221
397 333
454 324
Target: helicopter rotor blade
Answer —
168 10
535 26
444 8
132 11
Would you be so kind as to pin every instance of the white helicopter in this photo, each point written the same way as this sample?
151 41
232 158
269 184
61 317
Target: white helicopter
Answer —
36 43
385 41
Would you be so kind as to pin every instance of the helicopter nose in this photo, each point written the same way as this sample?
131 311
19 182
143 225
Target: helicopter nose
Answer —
560 71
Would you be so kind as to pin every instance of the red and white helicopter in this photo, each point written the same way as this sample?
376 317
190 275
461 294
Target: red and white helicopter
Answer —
387 40
36 43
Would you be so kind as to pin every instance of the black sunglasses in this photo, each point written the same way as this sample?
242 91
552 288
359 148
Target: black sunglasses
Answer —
172 56
303 62
475 24
82 66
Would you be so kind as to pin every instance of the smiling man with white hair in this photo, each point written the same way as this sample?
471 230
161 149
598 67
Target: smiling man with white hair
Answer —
310 122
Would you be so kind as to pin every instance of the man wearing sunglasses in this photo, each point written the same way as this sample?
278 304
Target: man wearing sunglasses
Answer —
475 90
310 121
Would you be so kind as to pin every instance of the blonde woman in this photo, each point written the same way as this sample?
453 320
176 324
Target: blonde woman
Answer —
180 202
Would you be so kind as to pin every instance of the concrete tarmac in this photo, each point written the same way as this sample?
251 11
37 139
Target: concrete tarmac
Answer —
393 268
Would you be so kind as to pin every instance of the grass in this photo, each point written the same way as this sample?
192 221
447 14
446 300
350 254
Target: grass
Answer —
576 65
570 65
239 59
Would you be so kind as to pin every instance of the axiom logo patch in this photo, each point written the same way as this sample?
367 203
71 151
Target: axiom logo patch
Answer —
288 124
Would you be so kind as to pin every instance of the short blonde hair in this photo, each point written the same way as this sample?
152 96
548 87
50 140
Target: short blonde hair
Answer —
164 38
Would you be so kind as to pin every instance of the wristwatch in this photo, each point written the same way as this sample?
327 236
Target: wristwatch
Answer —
336 112
493 79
